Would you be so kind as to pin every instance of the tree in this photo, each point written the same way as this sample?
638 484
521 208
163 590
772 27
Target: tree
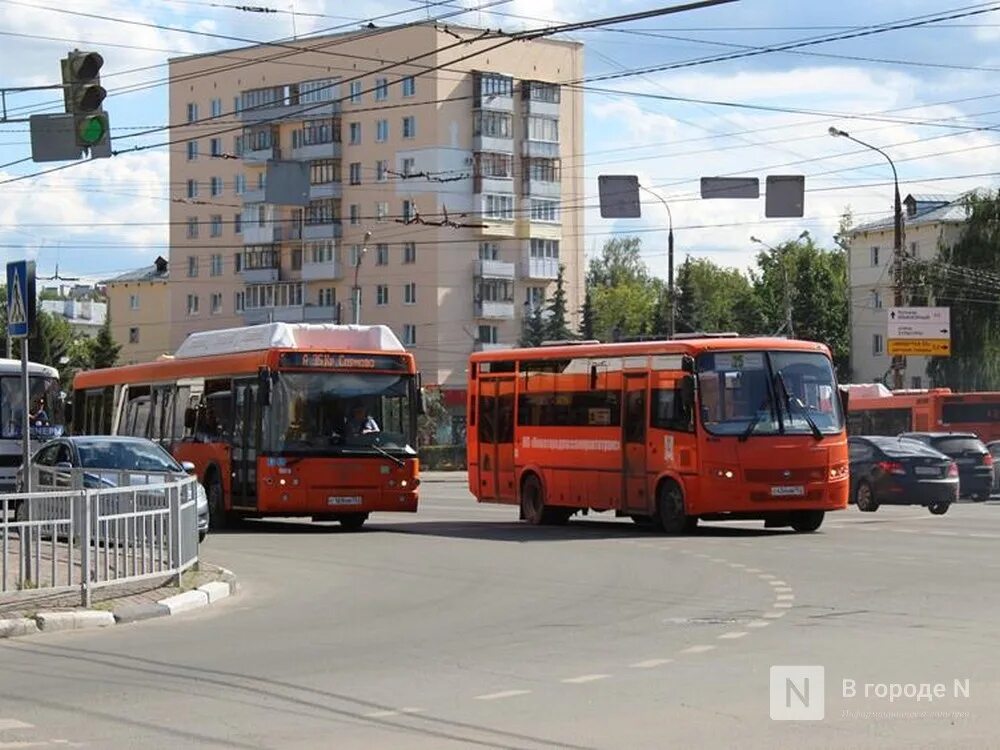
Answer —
104 351
622 295
966 278
713 298
533 328
556 327
587 317
435 418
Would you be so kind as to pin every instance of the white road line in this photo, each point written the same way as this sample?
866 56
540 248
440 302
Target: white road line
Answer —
785 597
758 624
737 565
716 560
733 635
905 531
783 590
774 615
650 663
697 649
782 605
585 678
778 583
381 714
765 576
14 724
501 694
753 570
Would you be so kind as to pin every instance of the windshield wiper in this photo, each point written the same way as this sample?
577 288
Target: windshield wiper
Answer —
398 461
817 433
756 418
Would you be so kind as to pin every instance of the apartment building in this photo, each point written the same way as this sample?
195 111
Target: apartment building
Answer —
453 196
139 303
930 222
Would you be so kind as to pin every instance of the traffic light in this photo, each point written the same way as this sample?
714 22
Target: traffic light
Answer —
83 94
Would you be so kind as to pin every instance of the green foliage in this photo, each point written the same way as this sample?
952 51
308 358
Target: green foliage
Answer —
587 317
104 351
712 298
622 295
965 278
435 417
533 328
556 327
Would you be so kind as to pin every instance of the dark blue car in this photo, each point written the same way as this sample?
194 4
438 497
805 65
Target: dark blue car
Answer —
893 471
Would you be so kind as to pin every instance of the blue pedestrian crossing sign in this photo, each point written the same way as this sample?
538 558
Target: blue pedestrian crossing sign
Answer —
20 298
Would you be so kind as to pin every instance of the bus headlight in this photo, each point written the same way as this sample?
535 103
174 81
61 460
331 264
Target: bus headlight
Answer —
404 484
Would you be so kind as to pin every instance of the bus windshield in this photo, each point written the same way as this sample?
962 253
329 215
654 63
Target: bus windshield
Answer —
768 393
45 411
323 413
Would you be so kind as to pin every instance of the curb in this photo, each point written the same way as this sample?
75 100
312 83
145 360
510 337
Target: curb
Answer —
88 619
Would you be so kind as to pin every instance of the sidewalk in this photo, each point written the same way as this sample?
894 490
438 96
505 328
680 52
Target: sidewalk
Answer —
444 476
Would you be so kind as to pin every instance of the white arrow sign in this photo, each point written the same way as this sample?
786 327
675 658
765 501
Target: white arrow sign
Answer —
919 323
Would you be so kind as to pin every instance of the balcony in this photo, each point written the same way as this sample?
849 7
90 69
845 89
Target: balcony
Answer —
260 155
311 151
326 190
538 107
256 315
492 143
542 189
260 275
311 111
254 195
544 269
331 231
503 185
271 232
482 346
540 149
319 314
328 270
495 310
495 269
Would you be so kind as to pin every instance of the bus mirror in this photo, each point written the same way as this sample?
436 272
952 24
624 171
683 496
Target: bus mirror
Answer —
687 391
593 377
687 363
421 409
190 418
264 386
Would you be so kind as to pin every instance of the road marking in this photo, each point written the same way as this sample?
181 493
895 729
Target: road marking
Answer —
774 615
785 597
783 605
905 531
716 560
778 583
585 678
501 694
737 565
783 590
697 649
753 570
650 663
758 624
733 635
6 724
766 576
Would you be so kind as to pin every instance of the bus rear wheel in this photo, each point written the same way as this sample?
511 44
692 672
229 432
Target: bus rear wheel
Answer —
670 510
352 521
806 521
533 507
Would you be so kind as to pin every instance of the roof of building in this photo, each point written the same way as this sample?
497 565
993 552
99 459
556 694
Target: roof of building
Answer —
159 271
929 210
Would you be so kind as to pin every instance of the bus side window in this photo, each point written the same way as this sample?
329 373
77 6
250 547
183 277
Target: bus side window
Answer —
136 421
181 397
487 430
670 411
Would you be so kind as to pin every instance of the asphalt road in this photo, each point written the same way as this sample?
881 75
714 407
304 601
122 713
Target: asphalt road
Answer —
459 627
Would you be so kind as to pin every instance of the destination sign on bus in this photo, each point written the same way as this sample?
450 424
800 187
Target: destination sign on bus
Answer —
331 361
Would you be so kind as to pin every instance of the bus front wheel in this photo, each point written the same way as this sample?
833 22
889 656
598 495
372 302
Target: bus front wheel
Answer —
670 510
807 520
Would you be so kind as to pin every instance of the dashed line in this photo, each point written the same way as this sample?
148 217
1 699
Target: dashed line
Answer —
716 560
753 570
732 636
783 590
778 583
737 565
774 615
502 694
785 597
758 624
397 712
783 605
585 678
697 649
6 724
766 576
650 663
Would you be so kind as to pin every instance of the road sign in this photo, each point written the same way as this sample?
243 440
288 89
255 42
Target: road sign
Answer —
785 196
53 138
619 194
20 298
730 187
919 331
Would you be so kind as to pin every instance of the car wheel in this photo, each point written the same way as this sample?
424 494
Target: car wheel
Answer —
807 521
202 536
938 509
864 498
670 509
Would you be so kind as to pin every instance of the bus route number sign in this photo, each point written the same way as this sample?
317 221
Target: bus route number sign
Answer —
330 361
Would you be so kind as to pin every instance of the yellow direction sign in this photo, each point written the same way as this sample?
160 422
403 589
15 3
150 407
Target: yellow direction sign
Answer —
919 347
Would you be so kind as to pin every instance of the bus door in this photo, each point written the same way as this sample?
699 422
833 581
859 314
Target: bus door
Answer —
634 427
246 439
496 438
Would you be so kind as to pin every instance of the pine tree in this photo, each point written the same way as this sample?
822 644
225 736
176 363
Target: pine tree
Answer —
685 316
556 328
533 330
587 316
104 351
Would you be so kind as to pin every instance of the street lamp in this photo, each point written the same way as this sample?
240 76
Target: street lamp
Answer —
670 263
898 363
356 290
779 255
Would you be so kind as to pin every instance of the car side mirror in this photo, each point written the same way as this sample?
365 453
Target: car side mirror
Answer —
65 465
188 467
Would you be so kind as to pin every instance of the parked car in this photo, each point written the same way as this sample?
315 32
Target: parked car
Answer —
975 464
994 449
892 471
105 461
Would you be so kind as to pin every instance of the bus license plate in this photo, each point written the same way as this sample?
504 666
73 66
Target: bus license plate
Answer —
338 500
788 491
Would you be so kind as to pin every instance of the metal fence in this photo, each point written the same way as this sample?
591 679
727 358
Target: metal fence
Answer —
59 540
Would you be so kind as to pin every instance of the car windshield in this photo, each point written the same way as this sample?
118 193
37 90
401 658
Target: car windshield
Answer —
768 393
326 412
954 446
45 413
125 456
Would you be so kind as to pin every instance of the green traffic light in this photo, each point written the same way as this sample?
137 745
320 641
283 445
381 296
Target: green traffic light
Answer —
92 130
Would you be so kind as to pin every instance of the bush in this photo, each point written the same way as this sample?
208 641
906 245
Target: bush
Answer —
442 458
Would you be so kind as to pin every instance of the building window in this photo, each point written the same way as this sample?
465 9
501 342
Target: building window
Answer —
408 166
317 90
216 146
216 186
544 210
237 223
494 165
409 334
410 293
542 129
540 91
192 189
355 173
534 297
296 258
216 230
192 150
407 210
192 266
381 211
321 252
133 302
542 170
489 335
381 130
409 85
324 171
216 304
356 87
355 133
240 184
326 211
327 297
873 254
217 108
498 207
489 251
355 255
215 267
878 344
544 248
381 89
410 252
192 228
409 126
192 304
381 254
493 124
382 294
914 250
916 382
381 171
192 112
240 301
133 335
876 300
317 132
355 210
261 180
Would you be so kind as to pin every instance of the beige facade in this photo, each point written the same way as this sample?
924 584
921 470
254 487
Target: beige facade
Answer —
139 306
930 222
387 153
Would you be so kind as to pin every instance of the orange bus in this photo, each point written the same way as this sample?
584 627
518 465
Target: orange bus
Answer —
875 410
278 419
666 432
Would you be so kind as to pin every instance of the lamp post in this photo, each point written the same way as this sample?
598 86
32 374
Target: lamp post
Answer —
356 290
779 255
898 363
672 323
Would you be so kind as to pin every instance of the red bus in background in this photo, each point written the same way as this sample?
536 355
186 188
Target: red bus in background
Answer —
262 412
875 410
666 432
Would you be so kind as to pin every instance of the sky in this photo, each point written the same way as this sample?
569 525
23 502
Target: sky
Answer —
670 99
